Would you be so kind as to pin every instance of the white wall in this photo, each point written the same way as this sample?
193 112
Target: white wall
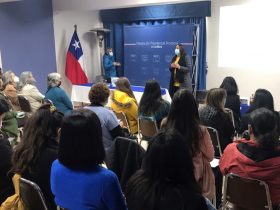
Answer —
245 46
63 31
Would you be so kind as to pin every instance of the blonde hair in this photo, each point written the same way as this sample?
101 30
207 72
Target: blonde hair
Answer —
215 98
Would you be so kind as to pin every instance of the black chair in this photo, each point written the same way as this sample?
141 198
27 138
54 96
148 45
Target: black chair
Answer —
24 104
246 194
215 141
31 195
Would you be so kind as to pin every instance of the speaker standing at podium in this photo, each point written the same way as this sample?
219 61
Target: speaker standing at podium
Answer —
109 64
180 69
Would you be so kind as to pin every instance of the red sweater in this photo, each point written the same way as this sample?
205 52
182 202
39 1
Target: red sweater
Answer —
268 170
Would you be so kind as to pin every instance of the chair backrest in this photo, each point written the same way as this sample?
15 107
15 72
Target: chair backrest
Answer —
215 141
246 193
230 113
24 104
31 195
147 127
123 119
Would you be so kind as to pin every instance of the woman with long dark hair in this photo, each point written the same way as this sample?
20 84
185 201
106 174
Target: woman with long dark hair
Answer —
232 99
183 117
38 148
262 98
258 158
180 69
166 180
152 104
123 100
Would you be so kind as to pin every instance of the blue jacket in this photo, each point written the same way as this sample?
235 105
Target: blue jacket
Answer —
95 189
59 99
108 64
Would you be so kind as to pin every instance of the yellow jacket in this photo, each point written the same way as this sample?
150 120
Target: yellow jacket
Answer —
122 102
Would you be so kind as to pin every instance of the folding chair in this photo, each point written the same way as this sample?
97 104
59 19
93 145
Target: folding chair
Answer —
245 194
215 141
147 128
123 119
24 104
31 195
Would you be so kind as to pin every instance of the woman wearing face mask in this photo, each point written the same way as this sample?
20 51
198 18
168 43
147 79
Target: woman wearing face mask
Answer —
109 64
57 95
180 69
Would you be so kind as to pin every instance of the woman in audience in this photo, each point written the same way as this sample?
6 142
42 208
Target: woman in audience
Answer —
183 117
9 89
78 180
258 158
123 100
151 104
98 96
57 95
232 99
28 89
262 98
6 185
214 115
38 148
166 180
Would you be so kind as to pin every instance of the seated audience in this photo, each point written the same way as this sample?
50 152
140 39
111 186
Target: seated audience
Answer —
262 98
151 104
9 124
78 180
98 97
28 89
38 148
123 100
258 158
57 95
232 99
214 115
10 89
6 185
166 180
183 117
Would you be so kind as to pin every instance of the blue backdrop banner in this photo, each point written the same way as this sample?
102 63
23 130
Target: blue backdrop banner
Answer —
148 50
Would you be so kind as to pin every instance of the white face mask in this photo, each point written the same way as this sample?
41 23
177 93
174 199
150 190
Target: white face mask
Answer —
111 53
177 51
16 79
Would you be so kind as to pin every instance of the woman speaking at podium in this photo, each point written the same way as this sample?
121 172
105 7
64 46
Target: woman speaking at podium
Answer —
180 69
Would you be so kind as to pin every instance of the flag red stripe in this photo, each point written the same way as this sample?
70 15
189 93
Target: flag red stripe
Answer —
74 71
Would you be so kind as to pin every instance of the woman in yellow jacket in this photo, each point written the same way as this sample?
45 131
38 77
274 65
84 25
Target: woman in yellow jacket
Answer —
123 100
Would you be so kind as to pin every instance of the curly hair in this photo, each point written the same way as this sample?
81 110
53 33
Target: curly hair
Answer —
99 93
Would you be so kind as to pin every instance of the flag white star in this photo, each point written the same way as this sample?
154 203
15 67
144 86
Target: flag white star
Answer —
76 45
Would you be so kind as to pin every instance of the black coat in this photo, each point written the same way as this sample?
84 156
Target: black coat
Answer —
219 120
6 185
233 103
40 172
124 158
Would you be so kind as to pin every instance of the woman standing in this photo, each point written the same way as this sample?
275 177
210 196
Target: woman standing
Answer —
180 69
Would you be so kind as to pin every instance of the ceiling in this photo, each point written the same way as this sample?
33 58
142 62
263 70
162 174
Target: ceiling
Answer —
108 4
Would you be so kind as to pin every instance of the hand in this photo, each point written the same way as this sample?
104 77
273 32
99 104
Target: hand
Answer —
117 64
173 65
177 66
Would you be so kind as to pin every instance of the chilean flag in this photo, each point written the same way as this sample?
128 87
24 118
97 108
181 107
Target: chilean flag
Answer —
74 62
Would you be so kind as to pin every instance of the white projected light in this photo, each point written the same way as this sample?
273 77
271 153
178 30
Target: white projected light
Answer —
249 35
